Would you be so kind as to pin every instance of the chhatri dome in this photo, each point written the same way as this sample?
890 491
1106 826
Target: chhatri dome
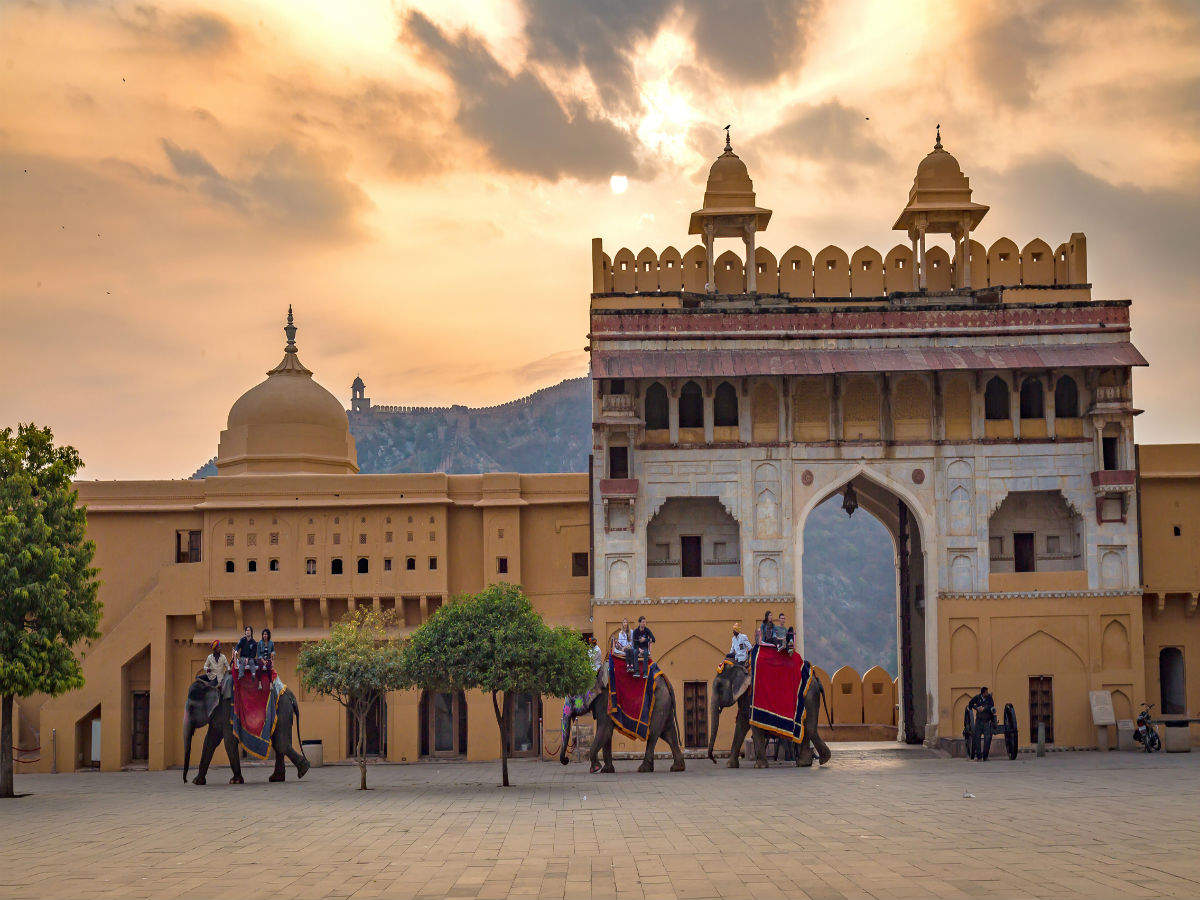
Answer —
940 198
729 198
287 424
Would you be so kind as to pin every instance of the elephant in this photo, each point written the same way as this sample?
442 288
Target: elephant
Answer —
207 705
662 725
730 686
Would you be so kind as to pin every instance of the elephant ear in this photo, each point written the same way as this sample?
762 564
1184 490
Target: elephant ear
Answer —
741 682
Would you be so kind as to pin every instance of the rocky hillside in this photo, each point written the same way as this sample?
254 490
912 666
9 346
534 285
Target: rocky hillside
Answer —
849 575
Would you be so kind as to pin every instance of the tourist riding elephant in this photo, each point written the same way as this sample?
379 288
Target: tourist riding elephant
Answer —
208 706
662 725
732 685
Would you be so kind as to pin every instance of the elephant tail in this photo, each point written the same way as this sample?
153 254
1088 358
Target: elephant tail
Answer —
825 703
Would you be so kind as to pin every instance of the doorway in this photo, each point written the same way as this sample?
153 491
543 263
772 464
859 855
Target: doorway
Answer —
374 730
139 738
1172 685
690 558
443 724
695 714
1041 707
524 716
1024 557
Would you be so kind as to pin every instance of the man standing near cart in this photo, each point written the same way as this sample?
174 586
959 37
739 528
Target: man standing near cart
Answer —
985 723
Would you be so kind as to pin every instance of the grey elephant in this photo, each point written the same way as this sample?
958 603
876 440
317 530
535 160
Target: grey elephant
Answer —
662 725
208 706
732 685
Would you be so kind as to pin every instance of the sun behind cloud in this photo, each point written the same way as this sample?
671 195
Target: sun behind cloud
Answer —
619 184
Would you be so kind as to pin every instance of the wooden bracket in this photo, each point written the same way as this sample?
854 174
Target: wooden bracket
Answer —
269 609
238 617
1191 604
325 613
298 606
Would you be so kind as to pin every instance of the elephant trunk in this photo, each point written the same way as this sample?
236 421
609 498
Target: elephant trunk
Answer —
714 718
566 734
188 730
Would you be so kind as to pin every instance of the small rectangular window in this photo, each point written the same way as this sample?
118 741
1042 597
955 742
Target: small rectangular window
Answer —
337 538
274 537
252 565
252 540
387 537
273 566
1109 445
433 536
501 565
1177 531
387 564
310 567
618 462
229 565
362 538
432 563
1053 543
410 564
579 565
312 539
229 540
335 566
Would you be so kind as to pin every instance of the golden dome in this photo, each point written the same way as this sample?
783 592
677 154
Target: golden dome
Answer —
940 198
939 170
728 193
287 424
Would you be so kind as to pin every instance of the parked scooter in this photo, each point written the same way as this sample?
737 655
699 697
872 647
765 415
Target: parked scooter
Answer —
1145 733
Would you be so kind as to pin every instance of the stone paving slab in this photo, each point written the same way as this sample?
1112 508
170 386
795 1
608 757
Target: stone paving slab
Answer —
866 826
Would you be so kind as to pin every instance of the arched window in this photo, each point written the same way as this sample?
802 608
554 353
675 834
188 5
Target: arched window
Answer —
335 567
657 411
363 565
725 406
691 406
1032 406
995 400
1066 398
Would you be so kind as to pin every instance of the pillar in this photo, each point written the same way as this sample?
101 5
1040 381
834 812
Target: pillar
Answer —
751 269
886 432
709 412
745 425
784 433
673 394
835 408
916 268
1014 404
1048 382
966 257
710 284
921 234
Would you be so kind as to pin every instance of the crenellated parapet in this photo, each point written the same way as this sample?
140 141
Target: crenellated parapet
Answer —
834 273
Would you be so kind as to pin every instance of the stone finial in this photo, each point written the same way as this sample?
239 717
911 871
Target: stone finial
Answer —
937 144
290 331
728 146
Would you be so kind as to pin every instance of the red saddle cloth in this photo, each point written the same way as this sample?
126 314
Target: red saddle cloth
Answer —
251 696
631 699
777 688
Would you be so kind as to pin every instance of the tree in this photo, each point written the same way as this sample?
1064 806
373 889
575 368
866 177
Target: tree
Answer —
48 587
356 665
495 641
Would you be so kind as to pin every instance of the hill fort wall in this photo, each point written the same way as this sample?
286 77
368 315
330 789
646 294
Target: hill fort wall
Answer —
834 273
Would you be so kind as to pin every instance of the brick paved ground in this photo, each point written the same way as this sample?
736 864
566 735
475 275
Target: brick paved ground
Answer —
1069 825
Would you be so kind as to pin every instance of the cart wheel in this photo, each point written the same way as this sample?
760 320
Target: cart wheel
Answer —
1010 730
968 729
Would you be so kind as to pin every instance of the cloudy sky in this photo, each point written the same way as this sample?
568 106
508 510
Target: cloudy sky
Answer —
423 181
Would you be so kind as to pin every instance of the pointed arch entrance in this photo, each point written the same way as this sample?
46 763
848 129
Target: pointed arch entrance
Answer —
878 496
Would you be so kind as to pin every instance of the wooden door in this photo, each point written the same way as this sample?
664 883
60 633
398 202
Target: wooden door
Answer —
1041 706
695 714
444 716
689 549
524 716
139 742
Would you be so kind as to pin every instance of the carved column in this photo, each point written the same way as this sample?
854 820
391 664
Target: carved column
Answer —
886 430
709 412
1048 384
709 233
835 408
673 410
751 268
1014 404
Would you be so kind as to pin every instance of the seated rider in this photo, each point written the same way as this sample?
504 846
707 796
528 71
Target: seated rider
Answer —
216 666
766 631
623 644
266 649
245 653
643 637
785 635
739 648
985 721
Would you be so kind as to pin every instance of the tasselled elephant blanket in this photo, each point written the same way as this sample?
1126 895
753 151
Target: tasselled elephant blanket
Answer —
631 699
778 682
255 696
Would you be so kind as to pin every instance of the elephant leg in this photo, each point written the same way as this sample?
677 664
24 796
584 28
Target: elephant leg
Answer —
279 773
609 768
760 748
803 753
235 759
648 757
741 725
676 745
212 737
823 752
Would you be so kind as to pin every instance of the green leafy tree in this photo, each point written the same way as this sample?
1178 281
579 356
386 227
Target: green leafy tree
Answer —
48 587
356 665
495 641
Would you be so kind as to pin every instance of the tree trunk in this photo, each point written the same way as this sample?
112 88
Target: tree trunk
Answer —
360 716
502 721
6 748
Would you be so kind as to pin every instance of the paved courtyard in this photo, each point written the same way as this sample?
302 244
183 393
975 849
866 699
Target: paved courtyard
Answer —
868 825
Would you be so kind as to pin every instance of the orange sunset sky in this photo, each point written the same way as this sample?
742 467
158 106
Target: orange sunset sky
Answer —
423 181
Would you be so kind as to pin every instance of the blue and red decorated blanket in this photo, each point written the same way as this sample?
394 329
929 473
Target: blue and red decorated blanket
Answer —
778 682
631 699
254 699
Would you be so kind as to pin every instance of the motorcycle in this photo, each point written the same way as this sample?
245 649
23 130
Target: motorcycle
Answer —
1145 733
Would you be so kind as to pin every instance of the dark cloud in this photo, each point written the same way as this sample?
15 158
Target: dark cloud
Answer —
517 118
290 187
828 132
196 32
742 41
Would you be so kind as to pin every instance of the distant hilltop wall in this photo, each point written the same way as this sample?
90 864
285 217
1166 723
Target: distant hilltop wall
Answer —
834 273
508 406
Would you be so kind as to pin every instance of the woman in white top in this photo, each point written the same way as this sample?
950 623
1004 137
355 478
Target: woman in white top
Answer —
623 641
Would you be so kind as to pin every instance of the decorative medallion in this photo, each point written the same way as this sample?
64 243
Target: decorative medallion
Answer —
806 477
918 476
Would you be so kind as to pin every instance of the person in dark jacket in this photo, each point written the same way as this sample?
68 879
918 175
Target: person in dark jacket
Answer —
245 651
643 637
266 649
985 723
785 635
766 630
